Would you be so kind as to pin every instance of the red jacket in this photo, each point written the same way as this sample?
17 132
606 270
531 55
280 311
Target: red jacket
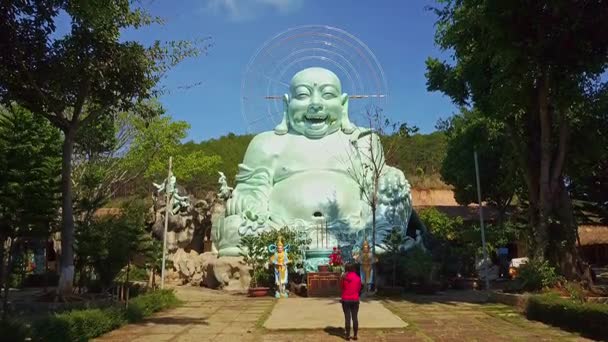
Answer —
350 285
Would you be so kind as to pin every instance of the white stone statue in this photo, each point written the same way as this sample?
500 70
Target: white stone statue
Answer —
225 191
303 171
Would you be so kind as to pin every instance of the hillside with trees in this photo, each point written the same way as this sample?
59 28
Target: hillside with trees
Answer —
420 156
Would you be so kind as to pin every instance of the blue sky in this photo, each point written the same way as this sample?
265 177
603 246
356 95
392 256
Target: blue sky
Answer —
399 33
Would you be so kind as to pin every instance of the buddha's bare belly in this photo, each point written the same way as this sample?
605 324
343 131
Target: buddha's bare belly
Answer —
300 196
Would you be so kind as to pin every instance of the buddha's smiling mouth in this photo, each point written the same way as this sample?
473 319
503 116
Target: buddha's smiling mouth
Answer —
317 120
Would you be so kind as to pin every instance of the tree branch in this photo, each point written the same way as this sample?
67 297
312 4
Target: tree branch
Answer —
78 106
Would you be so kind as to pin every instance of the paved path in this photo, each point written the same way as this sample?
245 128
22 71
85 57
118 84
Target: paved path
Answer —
322 313
214 316
206 315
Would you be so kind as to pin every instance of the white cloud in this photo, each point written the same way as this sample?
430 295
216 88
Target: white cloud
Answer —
240 10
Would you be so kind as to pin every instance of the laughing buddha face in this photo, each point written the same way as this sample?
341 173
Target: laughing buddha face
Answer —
316 106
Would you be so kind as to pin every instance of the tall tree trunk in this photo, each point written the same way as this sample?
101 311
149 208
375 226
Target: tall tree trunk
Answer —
373 274
566 257
66 279
544 189
2 254
7 276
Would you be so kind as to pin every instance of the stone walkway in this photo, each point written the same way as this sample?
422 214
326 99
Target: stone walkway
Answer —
206 315
209 315
321 313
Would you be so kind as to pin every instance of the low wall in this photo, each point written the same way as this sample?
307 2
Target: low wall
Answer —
520 301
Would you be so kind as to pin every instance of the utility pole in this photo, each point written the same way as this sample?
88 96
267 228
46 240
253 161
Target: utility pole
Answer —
483 233
168 211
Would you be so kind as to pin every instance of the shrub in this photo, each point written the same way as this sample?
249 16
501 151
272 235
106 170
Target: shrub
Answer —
147 304
83 325
418 265
575 291
78 325
588 319
536 275
13 331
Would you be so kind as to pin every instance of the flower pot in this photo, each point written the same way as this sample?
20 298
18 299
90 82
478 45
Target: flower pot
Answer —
258 291
323 268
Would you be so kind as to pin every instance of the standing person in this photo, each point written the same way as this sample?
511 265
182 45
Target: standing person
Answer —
351 286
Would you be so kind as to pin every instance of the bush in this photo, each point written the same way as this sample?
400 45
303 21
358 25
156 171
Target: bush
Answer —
418 265
575 291
588 319
147 304
83 325
78 325
13 331
536 275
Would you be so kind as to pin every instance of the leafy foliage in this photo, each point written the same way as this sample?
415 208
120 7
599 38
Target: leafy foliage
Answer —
83 325
498 173
80 77
588 319
418 265
536 69
110 243
575 291
419 156
12 330
255 254
149 303
459 244
78 325
392 243
30 152
536 275
254 250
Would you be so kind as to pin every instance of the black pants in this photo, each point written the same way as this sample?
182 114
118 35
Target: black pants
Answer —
351 310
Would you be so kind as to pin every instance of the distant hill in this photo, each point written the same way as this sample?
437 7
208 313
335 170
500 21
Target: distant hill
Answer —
419 156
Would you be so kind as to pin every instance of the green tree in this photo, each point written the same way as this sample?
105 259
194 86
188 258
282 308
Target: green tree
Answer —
498 169
75 78
144 138
392 243
531 66
30 160
107 245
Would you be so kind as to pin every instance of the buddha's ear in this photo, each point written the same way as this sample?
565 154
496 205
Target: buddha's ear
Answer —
282 128
347 126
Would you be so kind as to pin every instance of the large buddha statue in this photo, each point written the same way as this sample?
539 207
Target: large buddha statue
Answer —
306 174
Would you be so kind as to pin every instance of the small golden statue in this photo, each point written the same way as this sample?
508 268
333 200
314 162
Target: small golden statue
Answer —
280 260
366 260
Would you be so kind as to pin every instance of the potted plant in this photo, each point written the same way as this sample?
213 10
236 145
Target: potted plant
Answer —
392 243
255 255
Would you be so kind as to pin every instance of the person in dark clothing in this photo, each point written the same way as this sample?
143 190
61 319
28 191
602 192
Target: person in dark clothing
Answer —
351 287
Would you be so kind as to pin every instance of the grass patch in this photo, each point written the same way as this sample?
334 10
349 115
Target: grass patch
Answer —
260 322
587 319
83 325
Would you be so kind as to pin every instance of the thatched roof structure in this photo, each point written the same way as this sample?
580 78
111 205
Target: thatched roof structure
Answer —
444 201
593 235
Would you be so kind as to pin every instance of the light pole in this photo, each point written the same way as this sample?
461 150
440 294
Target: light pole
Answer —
483 233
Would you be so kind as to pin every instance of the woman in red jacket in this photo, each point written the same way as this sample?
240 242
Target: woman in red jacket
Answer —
351 286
